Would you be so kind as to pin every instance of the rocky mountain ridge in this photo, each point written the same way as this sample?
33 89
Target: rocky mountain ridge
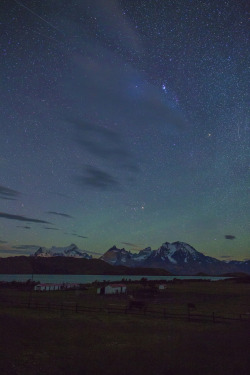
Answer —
178 258
69 251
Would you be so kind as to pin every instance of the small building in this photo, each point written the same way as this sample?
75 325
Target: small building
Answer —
112 289
52 286
162 287
70 286
47 287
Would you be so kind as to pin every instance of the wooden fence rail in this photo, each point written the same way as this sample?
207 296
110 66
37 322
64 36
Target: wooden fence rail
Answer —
157 314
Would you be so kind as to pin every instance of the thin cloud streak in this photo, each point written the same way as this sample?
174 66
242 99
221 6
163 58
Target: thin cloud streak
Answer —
95 177
7 216
25 247
130 244
11 252
8 194
48 228
59 214
229 237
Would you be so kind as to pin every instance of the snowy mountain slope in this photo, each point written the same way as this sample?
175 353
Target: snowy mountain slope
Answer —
178 257
69 251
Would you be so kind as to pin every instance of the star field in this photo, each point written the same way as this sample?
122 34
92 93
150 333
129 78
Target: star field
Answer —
124 122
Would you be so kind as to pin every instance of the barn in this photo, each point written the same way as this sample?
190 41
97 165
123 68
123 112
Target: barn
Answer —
112 289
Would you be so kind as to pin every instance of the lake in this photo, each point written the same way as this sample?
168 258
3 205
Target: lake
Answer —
85 279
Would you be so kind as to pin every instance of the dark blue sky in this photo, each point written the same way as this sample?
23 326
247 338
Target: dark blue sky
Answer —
124 122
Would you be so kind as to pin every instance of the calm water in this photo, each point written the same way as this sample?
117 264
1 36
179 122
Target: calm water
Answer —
84 279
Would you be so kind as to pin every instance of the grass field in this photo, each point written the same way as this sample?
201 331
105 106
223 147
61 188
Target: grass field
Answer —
50 342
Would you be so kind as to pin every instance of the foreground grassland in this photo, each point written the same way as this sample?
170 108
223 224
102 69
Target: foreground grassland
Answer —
53 342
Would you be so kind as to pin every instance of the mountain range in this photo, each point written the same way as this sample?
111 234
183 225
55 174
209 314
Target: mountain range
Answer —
69 251
178 258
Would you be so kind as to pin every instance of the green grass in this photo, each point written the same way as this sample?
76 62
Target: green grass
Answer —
37 342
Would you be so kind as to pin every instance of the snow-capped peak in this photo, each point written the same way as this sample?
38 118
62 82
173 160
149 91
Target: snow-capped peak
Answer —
68 251
177 252
142 255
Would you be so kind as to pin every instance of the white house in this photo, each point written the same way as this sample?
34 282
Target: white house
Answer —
162 287
47 287
70 286
53 286
112 289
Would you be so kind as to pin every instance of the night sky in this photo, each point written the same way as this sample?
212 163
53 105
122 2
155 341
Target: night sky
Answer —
124 122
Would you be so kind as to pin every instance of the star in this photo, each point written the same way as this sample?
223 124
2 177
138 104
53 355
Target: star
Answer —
164 88
108 107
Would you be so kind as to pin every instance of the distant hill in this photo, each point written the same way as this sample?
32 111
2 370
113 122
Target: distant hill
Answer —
70 266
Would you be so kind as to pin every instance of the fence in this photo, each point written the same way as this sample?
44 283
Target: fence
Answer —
156 314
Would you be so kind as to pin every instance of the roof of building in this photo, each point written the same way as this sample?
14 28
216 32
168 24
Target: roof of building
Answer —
49 284
58 284
117 285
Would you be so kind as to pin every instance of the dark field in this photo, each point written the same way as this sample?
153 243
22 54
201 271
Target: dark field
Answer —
47 341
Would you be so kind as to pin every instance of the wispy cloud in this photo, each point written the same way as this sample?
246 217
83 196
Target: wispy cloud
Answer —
78 235
118 95
229 237
7 199
49 228
25 247
23 226
14 252
102 142
8 194
59 214
130 244
75 234
7 216
90 129
118 30
95 177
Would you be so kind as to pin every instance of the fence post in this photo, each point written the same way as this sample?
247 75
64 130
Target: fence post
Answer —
189 317
76 309
164 313
213 317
